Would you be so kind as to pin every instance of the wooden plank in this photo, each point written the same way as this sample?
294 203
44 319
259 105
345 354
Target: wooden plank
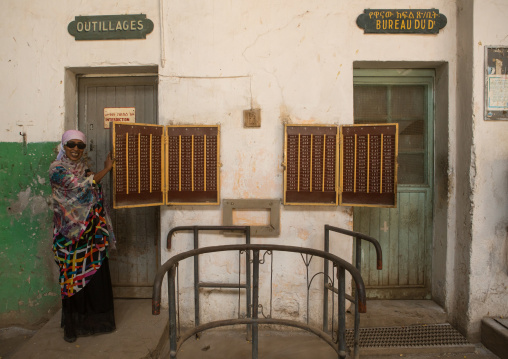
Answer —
391 257
358 226
384 241
150 104
404 224
130 96
140 104
120 96
413 237
365 228
374 232
422 231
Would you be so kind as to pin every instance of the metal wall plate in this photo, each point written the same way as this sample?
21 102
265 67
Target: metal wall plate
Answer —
273 229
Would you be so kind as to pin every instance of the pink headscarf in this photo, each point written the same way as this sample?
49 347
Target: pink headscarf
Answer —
67 136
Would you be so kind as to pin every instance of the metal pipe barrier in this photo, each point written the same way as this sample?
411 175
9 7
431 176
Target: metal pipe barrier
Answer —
198 284
170 268
358 237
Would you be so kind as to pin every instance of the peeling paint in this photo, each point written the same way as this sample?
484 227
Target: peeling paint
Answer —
303 234
26 263
287 305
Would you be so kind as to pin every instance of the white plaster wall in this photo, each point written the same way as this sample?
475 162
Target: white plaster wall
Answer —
294 60
489 256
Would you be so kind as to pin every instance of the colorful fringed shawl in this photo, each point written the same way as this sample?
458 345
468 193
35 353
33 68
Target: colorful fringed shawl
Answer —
81 234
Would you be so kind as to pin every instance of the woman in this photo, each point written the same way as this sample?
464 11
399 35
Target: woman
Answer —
82 236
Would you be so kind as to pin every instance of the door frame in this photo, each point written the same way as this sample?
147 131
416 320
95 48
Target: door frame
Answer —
121 79
411 77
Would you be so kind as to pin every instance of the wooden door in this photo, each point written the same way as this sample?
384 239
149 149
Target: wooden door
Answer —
404 232
135 261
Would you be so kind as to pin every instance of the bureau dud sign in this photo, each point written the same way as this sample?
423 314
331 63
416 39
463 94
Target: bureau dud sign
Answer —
110 27
401 21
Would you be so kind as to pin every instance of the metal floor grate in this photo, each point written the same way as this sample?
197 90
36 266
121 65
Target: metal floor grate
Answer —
410 336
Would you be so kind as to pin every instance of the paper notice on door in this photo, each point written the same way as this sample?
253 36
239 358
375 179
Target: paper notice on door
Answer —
119 114
497 92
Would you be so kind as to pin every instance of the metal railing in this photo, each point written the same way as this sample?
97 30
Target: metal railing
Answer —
358 237
253 320
198 284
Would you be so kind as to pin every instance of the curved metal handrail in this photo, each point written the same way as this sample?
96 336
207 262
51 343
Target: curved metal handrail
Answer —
170 268
374 241
329 286
156 297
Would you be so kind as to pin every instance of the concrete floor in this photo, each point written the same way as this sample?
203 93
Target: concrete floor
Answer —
137 335
220 344
227 344
140 335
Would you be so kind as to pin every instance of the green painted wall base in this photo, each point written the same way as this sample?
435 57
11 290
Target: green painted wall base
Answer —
29 290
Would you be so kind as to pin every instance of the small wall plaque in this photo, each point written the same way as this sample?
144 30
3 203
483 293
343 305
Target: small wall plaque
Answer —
110 27
252 118
119 114
273 205
401 21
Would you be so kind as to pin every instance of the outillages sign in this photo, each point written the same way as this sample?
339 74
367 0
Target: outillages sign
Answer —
110 27
401 21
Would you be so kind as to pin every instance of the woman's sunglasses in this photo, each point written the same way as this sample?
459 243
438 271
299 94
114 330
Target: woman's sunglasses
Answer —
72 144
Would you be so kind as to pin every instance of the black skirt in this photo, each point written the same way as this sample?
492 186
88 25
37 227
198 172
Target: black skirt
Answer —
90 311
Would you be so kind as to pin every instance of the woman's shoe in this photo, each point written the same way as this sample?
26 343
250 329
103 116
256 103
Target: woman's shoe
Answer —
69 335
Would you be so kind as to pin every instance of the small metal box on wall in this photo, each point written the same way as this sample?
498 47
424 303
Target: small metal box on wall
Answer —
368 165
158 165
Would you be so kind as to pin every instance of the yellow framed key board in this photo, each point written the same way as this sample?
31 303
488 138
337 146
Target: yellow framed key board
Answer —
171 165
349 165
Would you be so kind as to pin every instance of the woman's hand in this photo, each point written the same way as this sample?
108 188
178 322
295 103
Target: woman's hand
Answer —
109 162
108 165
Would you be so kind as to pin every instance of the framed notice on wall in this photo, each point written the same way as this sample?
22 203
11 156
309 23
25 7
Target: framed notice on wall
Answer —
367 175
496 83
158 165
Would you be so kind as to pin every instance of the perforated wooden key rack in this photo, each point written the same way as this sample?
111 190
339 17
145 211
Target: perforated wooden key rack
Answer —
157 165
368 166
367 175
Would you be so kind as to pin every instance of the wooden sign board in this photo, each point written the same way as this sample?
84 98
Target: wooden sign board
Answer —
158 165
